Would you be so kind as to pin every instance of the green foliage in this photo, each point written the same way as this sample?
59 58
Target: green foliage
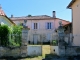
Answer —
4 35
16 33
29 15
10 36
55 42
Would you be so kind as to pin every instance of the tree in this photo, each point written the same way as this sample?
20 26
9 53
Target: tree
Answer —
4 35
29 15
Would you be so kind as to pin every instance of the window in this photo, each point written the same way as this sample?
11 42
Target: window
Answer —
49 25
35 25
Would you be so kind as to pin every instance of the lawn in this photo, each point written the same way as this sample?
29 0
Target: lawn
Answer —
45 50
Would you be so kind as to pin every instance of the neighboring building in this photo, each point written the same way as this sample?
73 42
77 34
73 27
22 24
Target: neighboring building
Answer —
68 28
41 27
68 33
74 5
4 19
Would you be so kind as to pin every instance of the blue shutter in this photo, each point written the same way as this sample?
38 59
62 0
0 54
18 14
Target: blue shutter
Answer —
46 25
52 25
38 25
32 25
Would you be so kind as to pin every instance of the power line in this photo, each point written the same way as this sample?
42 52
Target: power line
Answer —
61 11
7 11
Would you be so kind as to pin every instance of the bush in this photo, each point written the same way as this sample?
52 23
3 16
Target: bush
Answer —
16 35
55 42
10 36
4 35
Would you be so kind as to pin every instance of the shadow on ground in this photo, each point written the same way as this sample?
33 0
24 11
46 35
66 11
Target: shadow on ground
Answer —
55 57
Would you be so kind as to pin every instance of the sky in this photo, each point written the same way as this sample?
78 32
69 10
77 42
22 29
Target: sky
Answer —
20 8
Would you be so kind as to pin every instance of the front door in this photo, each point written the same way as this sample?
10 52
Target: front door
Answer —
35 38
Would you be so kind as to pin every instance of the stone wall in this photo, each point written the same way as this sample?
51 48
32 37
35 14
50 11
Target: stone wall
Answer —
72 50
34 50
21 51
4 51
54 50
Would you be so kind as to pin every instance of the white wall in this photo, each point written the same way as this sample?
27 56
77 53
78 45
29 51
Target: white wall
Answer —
34 50
56 50
5 21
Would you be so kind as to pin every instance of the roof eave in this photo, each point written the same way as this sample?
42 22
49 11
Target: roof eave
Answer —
10 20
70 4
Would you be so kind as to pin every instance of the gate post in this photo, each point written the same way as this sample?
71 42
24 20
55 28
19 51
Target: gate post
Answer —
24 41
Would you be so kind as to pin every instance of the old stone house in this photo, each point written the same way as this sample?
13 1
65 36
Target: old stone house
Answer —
41 27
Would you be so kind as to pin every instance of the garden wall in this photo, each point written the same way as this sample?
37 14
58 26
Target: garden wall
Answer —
9 52
34 50
72 50
21 51
54 50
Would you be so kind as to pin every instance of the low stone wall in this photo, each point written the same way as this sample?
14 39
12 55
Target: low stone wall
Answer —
30 50
54 50
34 50
72 50
9 52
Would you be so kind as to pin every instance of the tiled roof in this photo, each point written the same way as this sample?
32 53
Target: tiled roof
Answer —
2 12
31 17
67 24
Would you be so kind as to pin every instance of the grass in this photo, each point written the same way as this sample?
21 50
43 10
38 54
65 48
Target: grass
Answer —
45 51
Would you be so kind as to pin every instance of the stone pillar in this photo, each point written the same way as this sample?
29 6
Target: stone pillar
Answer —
24 41
61 41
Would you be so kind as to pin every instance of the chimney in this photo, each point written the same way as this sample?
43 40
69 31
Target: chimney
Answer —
11 16
54 14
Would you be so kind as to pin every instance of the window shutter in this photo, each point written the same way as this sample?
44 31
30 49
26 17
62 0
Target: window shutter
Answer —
52 25
38 25
32 25
46 25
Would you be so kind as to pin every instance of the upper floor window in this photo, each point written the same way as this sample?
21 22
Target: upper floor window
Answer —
35 25
49 25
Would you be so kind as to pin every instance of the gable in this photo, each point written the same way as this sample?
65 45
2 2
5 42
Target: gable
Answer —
76 4
73 3
5 21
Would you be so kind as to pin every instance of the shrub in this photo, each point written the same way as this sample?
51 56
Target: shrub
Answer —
4 35
10 36
16 33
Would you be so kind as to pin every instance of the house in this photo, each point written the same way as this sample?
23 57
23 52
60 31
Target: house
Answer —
41 27
74 5
68 28
4 19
